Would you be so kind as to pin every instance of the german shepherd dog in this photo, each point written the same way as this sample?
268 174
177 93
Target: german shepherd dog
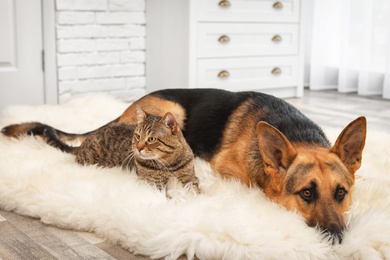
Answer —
264 142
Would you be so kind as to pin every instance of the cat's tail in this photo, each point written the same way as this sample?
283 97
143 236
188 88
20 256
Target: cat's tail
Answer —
48 133
36 128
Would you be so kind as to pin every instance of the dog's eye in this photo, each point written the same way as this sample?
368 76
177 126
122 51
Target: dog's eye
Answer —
340 194
307 195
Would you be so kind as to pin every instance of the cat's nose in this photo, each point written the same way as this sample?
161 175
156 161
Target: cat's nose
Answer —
140 146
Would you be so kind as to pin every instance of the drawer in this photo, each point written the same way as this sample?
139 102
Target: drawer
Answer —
237 74
246 39
247 10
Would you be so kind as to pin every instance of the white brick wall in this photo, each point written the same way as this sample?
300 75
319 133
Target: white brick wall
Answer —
101 48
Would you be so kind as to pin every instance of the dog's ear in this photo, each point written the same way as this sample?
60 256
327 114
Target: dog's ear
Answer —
350 143
275 148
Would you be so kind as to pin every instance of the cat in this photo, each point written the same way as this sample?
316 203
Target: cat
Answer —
161 151
155 147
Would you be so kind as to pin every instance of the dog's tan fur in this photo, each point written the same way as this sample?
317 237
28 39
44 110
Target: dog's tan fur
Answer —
232 159
154 106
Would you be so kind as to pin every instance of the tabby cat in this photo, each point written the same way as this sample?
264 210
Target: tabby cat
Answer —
155 147
161 151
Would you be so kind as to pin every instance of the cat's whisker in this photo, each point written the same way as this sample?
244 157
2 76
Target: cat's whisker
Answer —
164 164
128 161
156 163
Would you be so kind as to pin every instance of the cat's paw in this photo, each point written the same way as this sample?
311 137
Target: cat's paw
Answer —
177 191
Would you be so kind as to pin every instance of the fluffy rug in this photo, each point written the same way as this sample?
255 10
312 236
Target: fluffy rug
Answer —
228 221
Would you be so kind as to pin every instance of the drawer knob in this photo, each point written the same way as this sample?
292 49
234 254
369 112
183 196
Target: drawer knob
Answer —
223 74
278 5
224 3
276 71
224 39
277 38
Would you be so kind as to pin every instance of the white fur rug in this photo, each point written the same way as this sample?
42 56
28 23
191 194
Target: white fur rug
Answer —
228 221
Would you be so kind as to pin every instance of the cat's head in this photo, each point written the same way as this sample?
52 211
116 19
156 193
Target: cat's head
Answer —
157 138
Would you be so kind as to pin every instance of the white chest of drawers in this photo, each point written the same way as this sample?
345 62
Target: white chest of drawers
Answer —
235 45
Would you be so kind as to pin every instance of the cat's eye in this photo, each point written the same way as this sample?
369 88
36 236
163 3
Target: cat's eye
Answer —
152 139
137 136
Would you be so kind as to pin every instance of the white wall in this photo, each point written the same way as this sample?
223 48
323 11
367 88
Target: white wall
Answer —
100 48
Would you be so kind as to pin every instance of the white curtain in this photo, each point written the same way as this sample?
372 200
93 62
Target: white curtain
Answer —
350 46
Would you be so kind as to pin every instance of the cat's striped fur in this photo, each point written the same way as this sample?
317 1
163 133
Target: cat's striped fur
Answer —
155 147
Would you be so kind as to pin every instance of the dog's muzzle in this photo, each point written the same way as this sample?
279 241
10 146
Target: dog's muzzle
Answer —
335 233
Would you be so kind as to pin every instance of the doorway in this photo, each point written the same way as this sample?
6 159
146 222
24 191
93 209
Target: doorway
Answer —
26 35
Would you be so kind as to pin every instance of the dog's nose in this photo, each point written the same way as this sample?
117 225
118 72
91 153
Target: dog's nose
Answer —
335 231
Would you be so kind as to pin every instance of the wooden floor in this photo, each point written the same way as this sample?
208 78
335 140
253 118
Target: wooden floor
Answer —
333 109
27 238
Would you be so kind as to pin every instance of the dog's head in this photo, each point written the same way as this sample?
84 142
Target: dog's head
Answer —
316 181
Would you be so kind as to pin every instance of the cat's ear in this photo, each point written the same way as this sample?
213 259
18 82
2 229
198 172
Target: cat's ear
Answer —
140 114
170 122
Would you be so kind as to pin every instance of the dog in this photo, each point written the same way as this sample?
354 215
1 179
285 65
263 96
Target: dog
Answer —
264 142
